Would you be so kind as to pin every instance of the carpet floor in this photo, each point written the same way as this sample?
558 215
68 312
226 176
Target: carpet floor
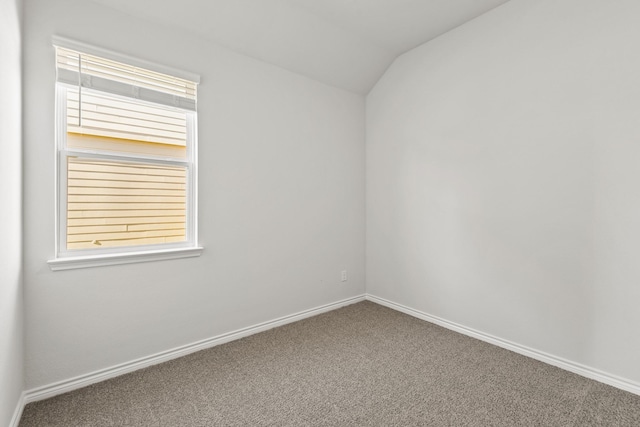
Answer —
361 365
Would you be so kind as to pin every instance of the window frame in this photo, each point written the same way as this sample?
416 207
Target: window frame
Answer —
80 258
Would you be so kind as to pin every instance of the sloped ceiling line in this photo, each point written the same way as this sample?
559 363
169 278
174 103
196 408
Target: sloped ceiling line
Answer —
344 43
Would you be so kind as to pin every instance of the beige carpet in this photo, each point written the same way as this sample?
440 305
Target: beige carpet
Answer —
362 365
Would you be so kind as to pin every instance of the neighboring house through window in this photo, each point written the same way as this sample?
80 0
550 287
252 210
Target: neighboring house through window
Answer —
126 144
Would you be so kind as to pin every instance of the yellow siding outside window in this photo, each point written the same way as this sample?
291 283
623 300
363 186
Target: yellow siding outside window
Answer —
123 204
111 204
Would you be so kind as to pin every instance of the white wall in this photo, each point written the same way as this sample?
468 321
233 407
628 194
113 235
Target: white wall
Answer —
502 179
281 203
11 306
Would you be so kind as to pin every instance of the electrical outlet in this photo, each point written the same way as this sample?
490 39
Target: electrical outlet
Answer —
343 277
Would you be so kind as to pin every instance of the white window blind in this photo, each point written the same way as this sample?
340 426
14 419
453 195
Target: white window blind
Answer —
89 71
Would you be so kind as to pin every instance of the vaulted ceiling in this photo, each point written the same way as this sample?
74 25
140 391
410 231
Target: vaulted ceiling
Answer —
344 43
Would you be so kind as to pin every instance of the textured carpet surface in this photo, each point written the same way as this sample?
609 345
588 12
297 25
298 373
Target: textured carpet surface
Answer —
362 365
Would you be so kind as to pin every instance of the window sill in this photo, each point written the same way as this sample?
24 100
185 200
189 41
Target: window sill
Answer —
123 258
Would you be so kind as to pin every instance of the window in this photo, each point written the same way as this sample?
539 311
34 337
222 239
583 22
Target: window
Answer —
126 162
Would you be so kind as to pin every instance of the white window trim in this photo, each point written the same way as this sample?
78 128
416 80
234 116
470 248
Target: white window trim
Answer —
71 263
73 259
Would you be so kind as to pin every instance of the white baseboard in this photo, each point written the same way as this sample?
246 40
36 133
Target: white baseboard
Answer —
65 386
568 365
17 414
